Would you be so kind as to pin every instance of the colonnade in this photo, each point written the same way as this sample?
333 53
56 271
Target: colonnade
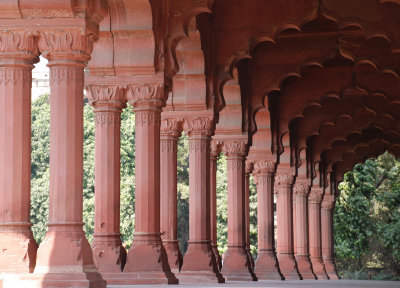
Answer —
65 255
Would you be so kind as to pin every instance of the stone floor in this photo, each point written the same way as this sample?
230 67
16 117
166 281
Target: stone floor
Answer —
294 284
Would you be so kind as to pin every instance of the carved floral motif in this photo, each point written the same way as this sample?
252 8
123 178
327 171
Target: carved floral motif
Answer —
235 164
15 76
196 145
107 118
147 118
202 125
21 42
301 188
113 94
315 196
234 147
168 146
264 166
68 74
146 93
171 126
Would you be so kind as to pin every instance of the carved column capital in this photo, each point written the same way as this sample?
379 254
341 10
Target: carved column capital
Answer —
234 147
315 196
283 181
146 94
215 148
199 126
170 127
63 45
264 166
301 188
249 166
18 44
106 98
328 202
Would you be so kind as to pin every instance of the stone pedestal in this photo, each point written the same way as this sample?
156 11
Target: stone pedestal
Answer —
283 188
199 263
314 210
147 261
301 190
267 267
170 133
17 246
65 257
237 264
328 205
213 201
109 254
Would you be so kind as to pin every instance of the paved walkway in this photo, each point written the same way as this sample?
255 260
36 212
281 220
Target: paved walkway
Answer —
292 284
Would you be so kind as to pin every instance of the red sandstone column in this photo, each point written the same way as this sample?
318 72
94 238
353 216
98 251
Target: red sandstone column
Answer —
314 210
65 254
170 133
109 254
147 260
199 263
17 246
247 172
213 201
237 265
267 267
301 191
287 263
328 205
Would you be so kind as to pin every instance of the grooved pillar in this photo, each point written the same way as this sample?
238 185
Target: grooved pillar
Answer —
247 172
147 260
314 210
170 133
301 190
237 265
199 263
213 201
267 267
65 256
283 189
328 205
17 246
109 254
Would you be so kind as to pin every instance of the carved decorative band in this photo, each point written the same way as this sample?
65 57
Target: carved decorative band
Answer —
171 127
262 179
196 145
20 42
15 76
234 147
107 118
146 93
168 146
301 189
199 126
284 179
106 95
264 166
315 197
235 164
67 74
328 202
147 118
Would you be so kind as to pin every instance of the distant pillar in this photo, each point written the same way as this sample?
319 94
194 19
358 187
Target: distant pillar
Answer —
17 246
170 133
247 172
147 261
328 205
109 254
314 210
266 266
199 263
213 201
237 265
304 266
287 263
65 256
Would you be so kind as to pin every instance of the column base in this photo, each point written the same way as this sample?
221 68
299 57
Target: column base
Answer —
319 269
250 257
199 265
65 259
330 269
236 265
108 253
18 248
217 256
147 261
305 267
288 267
267 267
174 255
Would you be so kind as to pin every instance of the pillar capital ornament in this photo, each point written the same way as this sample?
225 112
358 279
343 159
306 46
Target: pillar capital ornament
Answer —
199 126
66 45
18 44
249 166
106 98
301 188
315 196
328 202
215 148
264 166
283 180
234 147
171 127
149 93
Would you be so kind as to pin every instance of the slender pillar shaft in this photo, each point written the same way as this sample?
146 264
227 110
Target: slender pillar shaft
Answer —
169 148
16 240
199 261
247 212
304 266
65 248
147 260
213 202
109 254
287 262
237 265
314 207
266 267
328 205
